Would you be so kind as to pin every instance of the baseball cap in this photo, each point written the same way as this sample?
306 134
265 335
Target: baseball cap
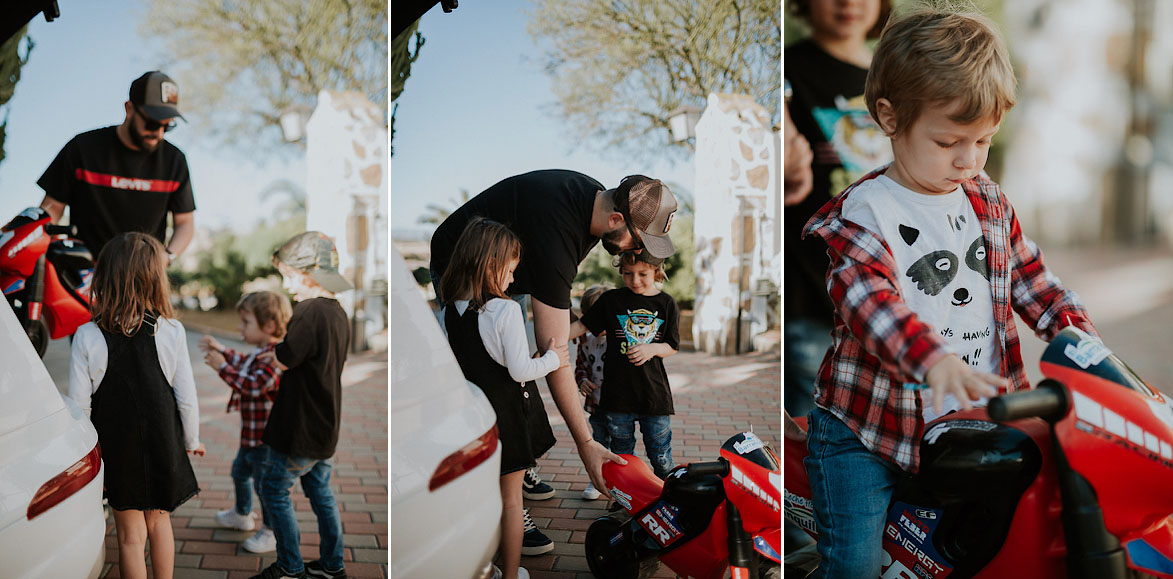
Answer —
313 254
649 206
156 95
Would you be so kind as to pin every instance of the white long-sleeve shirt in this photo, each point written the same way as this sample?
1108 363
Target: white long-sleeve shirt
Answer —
502 330
89 357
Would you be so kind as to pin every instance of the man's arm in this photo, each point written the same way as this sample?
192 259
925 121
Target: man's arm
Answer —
55 208
551 322
182 230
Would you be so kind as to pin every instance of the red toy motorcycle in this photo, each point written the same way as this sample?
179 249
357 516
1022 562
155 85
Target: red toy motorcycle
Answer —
1083 490
705 519
45 275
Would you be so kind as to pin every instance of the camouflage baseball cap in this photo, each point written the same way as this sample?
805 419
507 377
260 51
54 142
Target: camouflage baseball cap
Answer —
313 254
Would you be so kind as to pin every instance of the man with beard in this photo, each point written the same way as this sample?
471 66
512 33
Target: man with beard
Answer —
560 216
126 177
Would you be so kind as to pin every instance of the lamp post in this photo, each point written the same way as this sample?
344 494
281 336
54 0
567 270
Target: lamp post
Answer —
293 120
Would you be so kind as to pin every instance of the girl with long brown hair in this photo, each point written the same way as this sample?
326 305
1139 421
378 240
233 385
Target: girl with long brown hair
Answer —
486 330
131 373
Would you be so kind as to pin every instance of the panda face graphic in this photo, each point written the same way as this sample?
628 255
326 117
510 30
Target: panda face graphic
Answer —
934 271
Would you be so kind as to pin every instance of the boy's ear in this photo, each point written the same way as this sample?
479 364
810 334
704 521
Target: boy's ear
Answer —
886 115
270 327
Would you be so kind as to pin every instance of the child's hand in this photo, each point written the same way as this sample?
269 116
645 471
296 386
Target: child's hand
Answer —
952 376
271 358
792 430
202 450
210 343
214 359
586 387
563 353
639 354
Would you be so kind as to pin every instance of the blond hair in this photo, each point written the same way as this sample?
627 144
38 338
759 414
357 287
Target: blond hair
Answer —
590 296
267 307
480 255
130 282
930 56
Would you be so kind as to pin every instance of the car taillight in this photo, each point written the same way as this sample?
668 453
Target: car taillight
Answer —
65 484
465 459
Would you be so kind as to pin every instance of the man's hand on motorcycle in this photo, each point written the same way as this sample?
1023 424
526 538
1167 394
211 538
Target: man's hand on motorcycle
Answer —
593 454
950 375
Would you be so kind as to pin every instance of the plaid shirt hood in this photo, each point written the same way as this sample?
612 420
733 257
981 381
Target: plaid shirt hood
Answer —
879 343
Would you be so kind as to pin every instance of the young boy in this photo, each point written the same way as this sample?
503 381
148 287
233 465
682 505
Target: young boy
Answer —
927 263
302 432
263 316
640 324
588 372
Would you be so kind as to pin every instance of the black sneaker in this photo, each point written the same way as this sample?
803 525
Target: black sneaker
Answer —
275 572
533 488
315 569
534 542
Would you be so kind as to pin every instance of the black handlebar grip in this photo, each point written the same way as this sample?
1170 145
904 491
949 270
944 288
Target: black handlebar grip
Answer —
70 230
1047 401
718 467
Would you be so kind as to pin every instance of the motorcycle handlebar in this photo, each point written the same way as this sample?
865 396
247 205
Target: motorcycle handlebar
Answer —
1047 401
717 467
70 230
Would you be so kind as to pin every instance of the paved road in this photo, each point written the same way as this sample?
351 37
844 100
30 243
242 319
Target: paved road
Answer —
205 551
715 398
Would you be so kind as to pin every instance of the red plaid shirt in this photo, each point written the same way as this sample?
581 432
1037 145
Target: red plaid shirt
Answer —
880 343
254 387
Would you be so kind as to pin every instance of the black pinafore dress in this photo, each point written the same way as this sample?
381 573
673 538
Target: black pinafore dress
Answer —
522 424
139 430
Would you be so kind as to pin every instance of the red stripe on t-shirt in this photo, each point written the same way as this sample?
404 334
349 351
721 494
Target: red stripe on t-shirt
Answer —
127 183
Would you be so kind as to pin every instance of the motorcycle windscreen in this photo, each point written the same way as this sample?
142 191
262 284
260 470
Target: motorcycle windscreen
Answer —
748 446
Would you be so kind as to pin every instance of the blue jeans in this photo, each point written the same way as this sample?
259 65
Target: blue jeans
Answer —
598 422
657 435
246 477
851 488
280 472
803 348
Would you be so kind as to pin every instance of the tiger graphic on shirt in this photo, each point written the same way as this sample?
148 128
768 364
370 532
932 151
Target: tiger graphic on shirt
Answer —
639 327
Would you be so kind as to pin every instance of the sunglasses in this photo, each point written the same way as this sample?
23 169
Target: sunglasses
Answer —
153 125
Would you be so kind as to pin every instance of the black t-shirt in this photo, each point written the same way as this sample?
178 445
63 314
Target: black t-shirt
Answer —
550 211
628 318
308 409
111 189
828 108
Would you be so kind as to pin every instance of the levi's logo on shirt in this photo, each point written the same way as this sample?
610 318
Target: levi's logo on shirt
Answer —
127 183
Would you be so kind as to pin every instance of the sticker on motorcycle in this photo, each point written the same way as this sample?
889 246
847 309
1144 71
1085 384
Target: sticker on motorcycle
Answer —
621 497
750 444
660 523
800 511
940 428
908 540
1090 351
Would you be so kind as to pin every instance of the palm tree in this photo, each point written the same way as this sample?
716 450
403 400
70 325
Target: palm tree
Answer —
438 213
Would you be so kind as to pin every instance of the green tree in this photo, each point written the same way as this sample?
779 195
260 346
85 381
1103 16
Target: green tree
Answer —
241 63
402 57
619 68
10 63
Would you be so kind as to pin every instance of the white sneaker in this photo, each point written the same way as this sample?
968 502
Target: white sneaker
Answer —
521 573
263 541
235 520
591 493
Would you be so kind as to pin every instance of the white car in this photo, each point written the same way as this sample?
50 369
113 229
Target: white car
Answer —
445 456
51 519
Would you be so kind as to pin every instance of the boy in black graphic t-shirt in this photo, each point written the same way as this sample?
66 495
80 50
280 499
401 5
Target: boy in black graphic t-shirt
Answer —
641 324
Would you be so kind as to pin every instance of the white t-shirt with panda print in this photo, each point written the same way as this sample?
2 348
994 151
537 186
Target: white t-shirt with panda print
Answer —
941 262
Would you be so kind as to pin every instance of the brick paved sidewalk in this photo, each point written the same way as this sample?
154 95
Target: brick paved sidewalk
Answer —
203 550
715 398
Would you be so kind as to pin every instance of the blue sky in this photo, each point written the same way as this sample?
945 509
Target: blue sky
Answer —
476 110
77 79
